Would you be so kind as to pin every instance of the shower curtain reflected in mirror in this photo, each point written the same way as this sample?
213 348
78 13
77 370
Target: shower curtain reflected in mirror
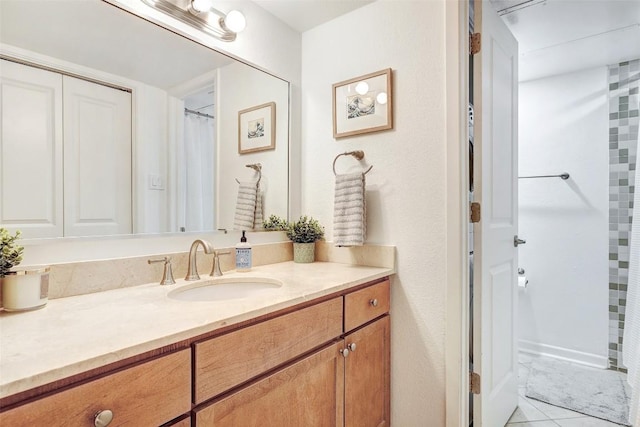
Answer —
197 179
631 339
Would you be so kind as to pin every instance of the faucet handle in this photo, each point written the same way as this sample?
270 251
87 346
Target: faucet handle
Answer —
167 274
215 268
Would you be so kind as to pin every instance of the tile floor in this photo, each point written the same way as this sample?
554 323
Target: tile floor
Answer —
534 413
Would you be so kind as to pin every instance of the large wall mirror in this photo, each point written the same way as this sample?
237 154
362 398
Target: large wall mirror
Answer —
113 125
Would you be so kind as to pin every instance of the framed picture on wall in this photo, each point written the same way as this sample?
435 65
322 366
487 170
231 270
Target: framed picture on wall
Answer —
363 104
257 128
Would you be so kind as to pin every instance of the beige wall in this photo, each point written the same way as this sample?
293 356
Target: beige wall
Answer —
406 189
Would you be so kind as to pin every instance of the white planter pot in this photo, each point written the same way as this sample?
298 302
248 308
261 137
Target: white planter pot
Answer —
304 252
25 289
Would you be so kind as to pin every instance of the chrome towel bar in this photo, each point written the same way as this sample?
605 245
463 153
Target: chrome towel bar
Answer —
563 175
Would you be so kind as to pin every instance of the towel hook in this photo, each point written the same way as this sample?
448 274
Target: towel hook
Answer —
358 154
256 167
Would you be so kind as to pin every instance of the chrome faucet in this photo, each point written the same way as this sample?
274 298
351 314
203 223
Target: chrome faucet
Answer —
192 271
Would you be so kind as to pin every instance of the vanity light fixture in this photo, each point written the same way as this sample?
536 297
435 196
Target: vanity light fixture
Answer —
198 6
201 15
234 21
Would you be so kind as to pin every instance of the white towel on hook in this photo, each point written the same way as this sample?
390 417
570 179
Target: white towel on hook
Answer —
246 206
349 210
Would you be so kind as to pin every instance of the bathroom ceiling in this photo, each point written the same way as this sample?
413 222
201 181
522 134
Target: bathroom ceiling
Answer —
304 15
557 36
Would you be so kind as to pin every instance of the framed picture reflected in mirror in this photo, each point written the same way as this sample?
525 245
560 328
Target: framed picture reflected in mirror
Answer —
257 128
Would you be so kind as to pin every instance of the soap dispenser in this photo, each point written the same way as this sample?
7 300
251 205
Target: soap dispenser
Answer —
243 255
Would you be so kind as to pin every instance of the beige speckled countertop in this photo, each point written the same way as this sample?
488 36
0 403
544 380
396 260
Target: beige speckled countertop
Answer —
76 334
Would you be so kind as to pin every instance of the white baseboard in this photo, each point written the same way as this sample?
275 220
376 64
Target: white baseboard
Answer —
562 353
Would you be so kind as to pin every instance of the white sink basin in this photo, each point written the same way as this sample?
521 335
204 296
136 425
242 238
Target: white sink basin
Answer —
225 289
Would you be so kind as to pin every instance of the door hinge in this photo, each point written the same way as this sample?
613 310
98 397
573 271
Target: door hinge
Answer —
474 43
474 383
475 212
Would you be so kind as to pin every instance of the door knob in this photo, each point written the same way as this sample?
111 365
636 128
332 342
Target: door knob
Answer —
352 346
517 241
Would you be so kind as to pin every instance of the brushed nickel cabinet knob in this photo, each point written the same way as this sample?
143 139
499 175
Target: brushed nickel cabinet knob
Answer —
103 418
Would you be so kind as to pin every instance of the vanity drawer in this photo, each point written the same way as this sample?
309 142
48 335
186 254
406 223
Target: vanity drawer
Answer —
150 394
232 359
365 305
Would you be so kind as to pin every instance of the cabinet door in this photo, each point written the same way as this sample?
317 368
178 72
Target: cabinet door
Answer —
367 376
97 159
30 150
308 393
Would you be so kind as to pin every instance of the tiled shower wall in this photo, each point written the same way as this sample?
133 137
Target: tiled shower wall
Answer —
624 79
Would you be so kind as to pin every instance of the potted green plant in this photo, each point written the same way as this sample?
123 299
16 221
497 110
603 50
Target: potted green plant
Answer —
10 251
275 223
304 233
22 288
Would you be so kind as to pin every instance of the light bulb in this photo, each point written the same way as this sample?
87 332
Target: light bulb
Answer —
382 98
362 88
201 5
235 21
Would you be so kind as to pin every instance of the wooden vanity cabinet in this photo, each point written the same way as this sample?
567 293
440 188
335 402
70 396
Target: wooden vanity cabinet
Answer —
325 364
344 384
148 394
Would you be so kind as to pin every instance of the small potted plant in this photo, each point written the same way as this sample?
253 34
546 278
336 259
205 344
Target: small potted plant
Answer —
22 288
275 223
10 252
304 233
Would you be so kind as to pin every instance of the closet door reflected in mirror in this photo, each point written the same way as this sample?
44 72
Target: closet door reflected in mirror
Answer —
31 156
64 140
97 159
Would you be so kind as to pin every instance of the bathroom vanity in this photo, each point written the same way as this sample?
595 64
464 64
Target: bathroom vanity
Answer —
314 351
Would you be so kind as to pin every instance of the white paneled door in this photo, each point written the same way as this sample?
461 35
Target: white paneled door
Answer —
495 284
65 147
97 159
30 150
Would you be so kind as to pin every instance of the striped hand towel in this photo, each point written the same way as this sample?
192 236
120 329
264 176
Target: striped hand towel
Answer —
349 210
246 206
258 217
